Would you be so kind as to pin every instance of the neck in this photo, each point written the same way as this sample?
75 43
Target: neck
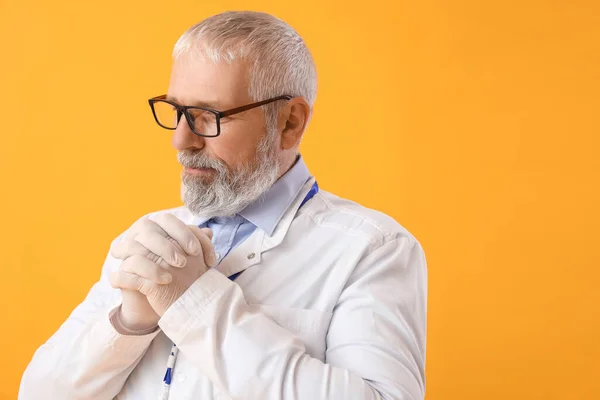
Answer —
286 163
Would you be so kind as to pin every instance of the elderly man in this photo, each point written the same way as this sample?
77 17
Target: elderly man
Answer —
262 286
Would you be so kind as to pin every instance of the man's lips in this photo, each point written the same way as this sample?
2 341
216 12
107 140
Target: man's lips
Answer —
198 171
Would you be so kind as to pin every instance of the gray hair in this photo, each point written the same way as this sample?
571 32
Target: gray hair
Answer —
280 62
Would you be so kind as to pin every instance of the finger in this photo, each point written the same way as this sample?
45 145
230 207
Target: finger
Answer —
126 281
143 225
208 232
204 236
146 269
162 248
130 247
180 232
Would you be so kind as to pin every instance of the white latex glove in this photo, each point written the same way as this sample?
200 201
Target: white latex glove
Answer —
171 242
168 264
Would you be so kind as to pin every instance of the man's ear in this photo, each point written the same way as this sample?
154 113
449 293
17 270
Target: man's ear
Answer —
293 118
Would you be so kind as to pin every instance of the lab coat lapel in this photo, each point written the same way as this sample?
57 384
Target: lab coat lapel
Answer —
249 252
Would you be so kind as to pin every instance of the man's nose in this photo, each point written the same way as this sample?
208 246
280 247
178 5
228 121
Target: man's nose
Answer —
184 138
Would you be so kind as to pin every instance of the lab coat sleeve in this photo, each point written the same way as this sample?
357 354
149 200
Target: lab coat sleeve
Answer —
375 342
86 358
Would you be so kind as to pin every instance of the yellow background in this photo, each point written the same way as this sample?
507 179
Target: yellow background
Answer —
474 123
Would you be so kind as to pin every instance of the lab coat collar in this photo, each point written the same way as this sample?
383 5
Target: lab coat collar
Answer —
249 252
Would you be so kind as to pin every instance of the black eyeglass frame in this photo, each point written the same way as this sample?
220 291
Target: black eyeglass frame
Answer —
183 110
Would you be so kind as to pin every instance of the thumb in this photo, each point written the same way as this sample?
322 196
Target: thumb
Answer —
208 232
205 235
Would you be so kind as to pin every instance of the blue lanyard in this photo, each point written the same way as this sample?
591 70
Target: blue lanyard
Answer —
174 350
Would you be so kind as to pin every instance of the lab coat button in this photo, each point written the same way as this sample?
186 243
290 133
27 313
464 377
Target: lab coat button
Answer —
180 377
251 256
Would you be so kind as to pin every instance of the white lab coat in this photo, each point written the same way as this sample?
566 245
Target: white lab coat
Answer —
331 306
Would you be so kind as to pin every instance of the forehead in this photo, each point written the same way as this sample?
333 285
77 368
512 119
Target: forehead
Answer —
198 80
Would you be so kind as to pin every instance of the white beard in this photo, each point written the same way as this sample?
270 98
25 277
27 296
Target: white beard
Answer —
230 191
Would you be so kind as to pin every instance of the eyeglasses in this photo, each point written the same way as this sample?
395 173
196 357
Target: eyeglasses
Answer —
202 121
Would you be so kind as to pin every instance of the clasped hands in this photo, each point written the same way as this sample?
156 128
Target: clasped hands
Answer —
161 260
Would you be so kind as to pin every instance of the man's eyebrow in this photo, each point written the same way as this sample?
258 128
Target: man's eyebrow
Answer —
204 104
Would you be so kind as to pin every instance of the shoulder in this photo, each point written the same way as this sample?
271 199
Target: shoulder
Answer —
327 210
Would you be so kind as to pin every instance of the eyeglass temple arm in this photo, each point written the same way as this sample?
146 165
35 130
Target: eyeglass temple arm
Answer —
253 105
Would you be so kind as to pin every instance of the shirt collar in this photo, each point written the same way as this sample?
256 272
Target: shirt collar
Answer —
266 212
268 209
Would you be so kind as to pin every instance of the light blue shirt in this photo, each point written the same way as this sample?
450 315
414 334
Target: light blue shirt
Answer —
264 213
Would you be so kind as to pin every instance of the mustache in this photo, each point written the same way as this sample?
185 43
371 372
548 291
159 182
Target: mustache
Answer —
197 159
